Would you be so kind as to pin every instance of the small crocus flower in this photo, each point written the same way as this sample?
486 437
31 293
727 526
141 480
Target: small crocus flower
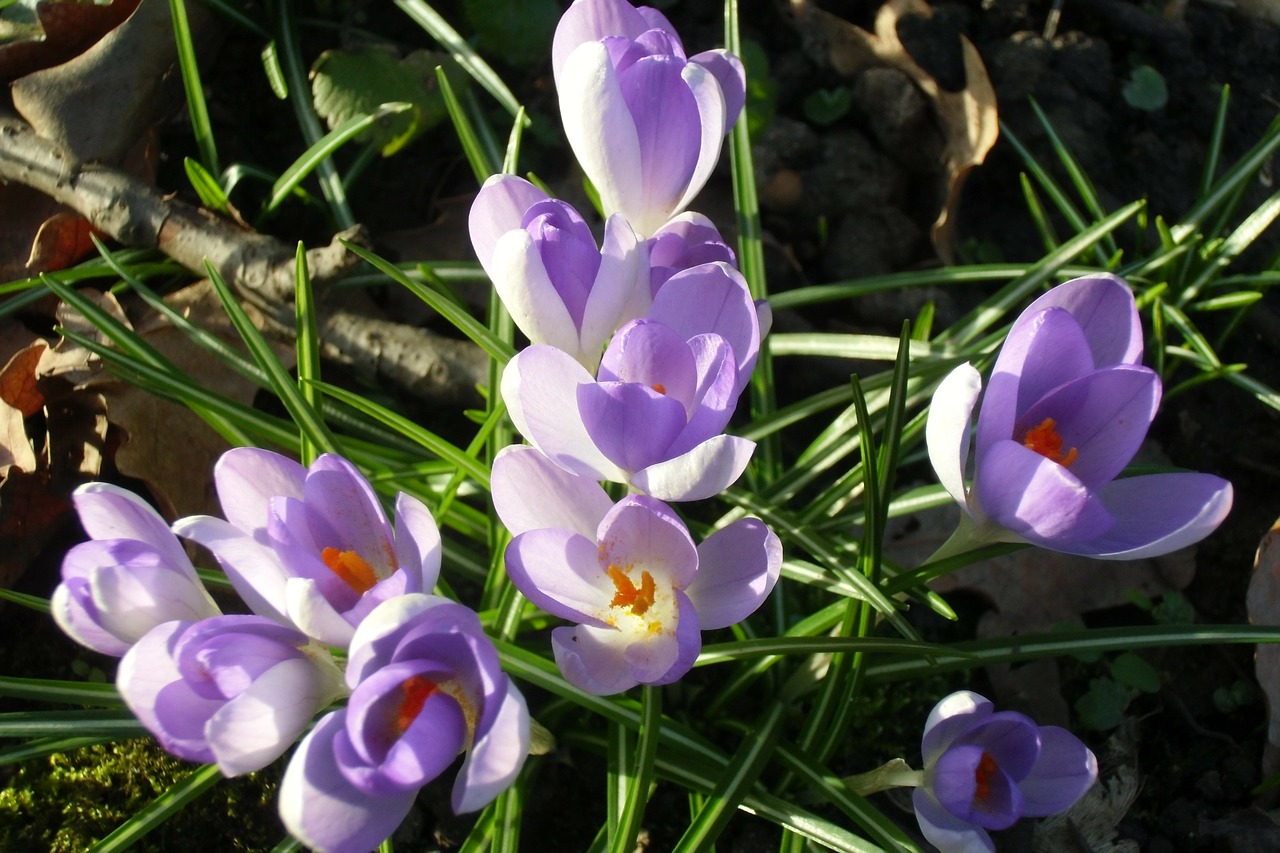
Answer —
628 573
312 547
687 240
985 770
232 690
131 576
426 685
560 289
645 122
654 415
1067 407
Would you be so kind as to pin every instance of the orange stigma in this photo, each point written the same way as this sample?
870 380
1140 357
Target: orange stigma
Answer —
1044 439
660 388
639 600
417 690
351 567
982 776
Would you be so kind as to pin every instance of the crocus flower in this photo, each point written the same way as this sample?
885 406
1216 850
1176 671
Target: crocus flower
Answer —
232 690
1066 409
311 547
985 769
560 288
628 573
654 415
426 685
687 240
131 576
645 122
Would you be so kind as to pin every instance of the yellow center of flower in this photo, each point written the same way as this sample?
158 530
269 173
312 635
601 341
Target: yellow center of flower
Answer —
639 599
982 776
415 691
351 567
1044 439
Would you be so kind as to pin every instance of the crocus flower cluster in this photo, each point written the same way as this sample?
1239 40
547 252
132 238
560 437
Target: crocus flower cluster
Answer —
313 555
1067 407
986 769
641 345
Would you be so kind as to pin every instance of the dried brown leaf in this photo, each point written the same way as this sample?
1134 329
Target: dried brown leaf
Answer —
70 28
968 117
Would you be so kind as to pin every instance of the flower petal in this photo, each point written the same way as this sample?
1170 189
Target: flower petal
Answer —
593 659
951 718
1158 513
1065 769
645 533
713 122
247 478
151 685
526 289
738 566
314 614
72 608
712 298
110 512
499 207
559 571
418 549
592 20
1103 306
341 495
531 493
325 811
540 386
1103 415
1036 498
667 113
703 472
253 568
632 424
732 79
256 727
601 130
495 759
948 427
621 289
688 643
946 831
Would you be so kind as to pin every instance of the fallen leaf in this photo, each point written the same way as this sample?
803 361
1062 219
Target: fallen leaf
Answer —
18 385
69 28
63 239
968 117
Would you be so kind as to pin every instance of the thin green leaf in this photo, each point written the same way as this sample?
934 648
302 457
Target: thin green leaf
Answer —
159 810
641 772
275 74
481 166
206 186
196 107
307 344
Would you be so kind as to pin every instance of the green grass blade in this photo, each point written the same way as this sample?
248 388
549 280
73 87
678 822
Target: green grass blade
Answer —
51 723
461 51
196 107
641 772
323 148
461 320
310 424
307 344
206 186
476 153
46 746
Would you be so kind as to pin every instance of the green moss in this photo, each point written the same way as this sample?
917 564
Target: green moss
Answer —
66 801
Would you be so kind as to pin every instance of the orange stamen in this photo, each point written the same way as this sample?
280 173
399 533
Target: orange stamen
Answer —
417 690
660 388
1044 439
982 776
639 600
351 567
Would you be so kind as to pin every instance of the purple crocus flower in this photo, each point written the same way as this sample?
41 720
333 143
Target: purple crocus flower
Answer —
131 576
654 415
628 573
645 122
426 685
687 240
560 288
985 769
311 547
1067 407
232 690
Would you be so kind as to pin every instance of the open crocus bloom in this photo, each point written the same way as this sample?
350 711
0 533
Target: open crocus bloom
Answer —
131 576
1067 407
312 547
645 122
426 685
560 289
654 416
233 690
629 574
985 769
